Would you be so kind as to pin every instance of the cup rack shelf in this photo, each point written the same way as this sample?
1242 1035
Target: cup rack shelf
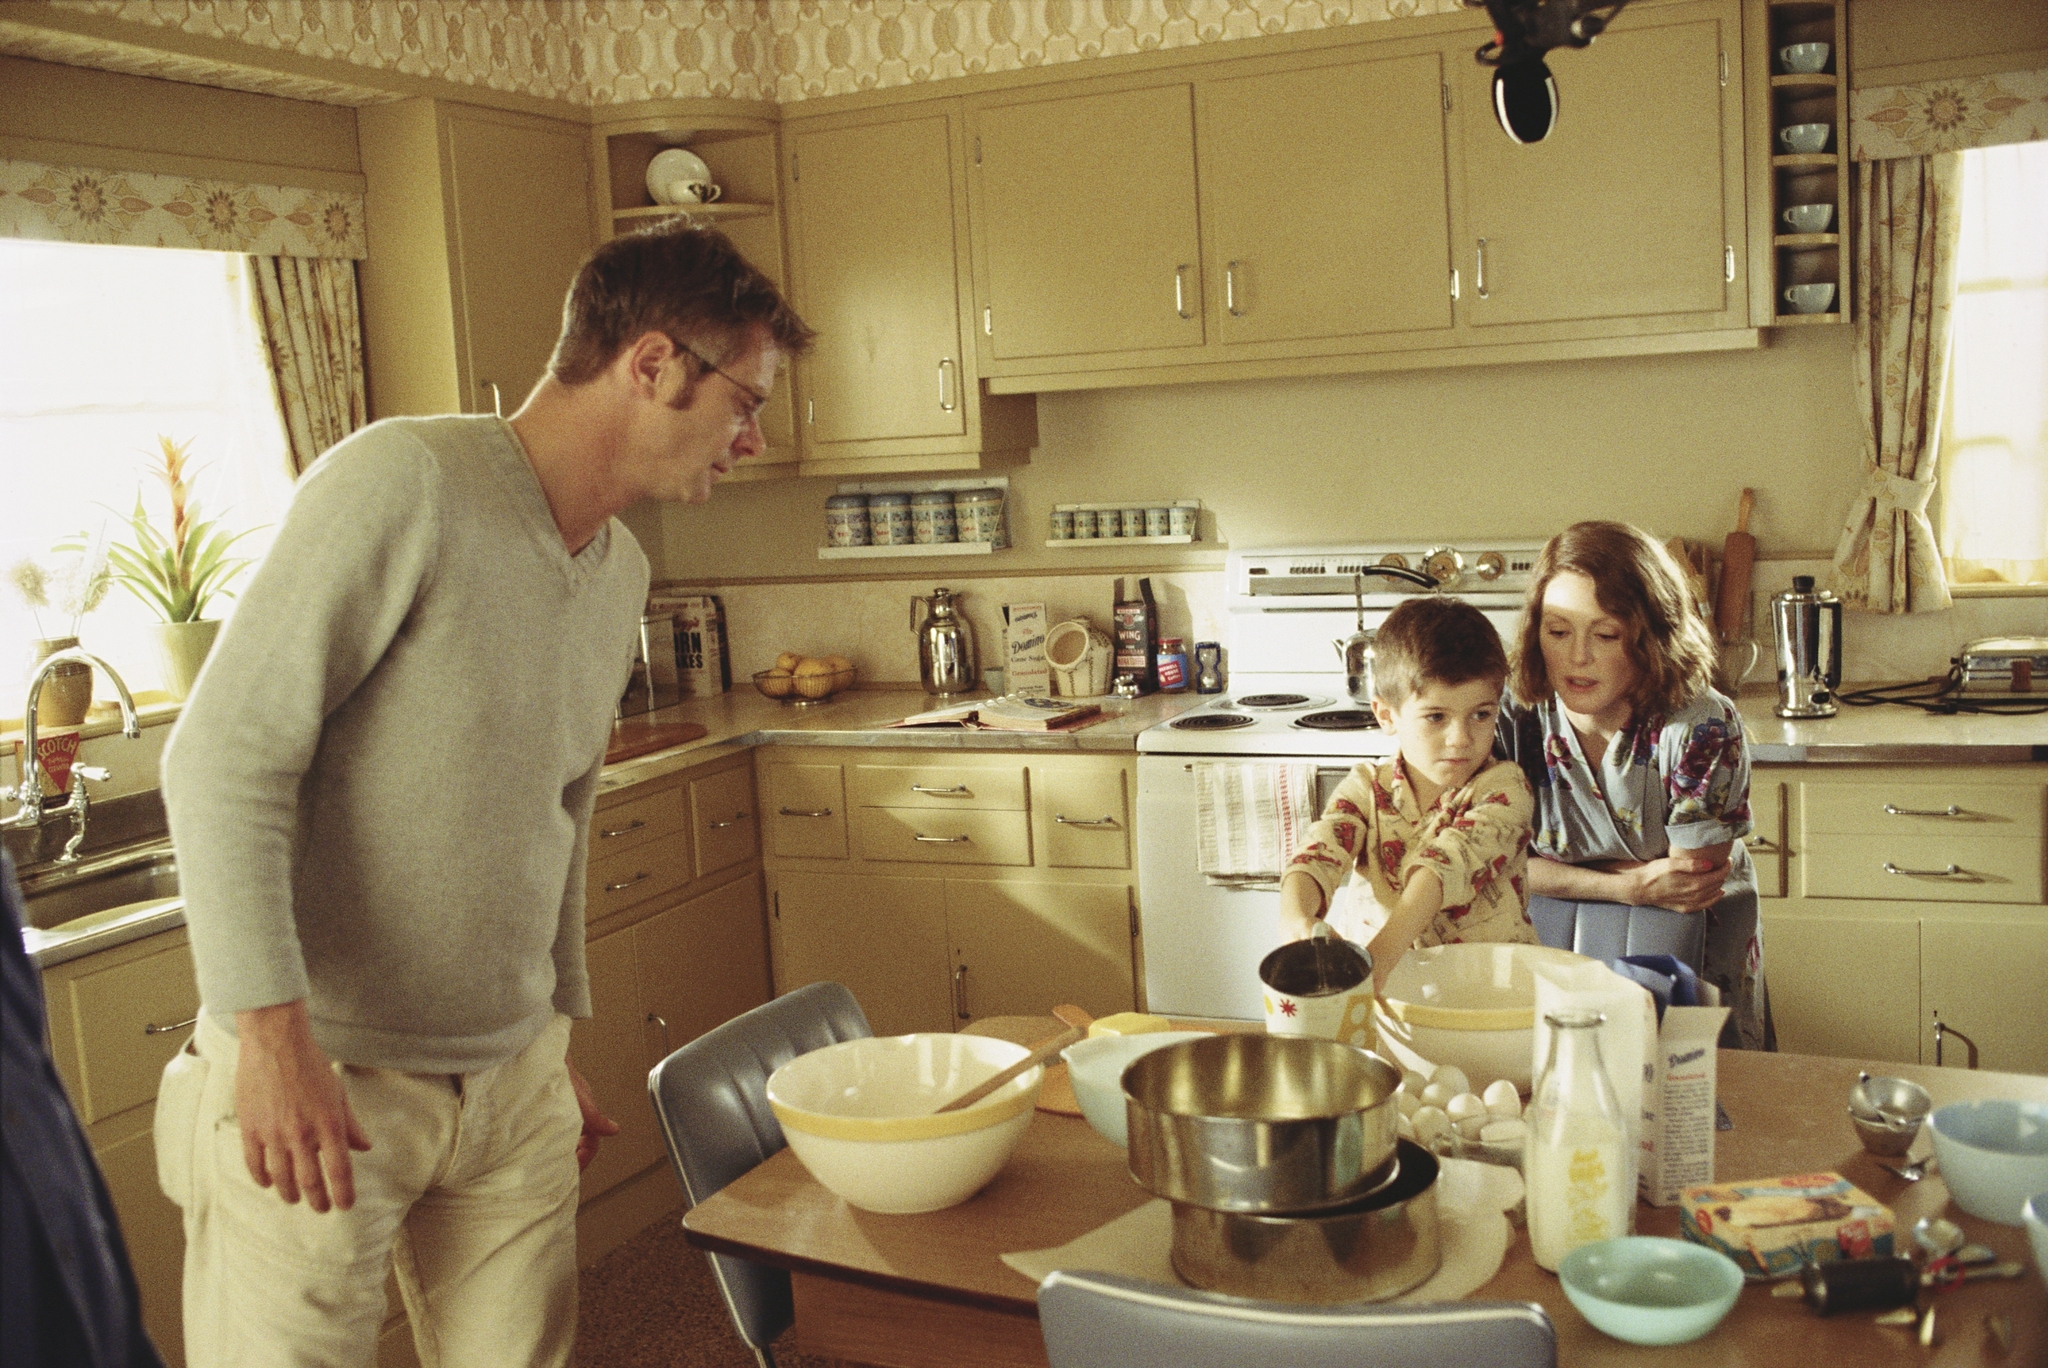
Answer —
1801 178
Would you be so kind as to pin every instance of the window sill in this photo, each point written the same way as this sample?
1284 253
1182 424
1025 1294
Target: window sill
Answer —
153 707
1998 591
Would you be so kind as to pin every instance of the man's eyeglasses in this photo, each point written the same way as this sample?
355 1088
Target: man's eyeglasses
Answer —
756 397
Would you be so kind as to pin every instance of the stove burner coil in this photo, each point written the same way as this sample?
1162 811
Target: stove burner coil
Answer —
1272 700
1215 721
1338 719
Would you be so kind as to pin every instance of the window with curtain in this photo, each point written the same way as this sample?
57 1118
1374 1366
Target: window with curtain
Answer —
1994 467
104 351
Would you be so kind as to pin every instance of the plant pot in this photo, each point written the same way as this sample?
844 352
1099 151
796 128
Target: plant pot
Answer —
67 693
183 646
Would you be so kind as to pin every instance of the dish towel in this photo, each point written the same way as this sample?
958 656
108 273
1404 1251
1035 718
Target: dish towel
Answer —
1472 1235
1250 819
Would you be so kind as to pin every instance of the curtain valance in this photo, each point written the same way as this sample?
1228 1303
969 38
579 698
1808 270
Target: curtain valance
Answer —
143 209
1949 115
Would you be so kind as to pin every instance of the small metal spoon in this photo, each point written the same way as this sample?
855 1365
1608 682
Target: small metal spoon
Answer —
1913 1172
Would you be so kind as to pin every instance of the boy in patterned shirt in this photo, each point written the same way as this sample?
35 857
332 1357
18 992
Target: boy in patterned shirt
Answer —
1436 838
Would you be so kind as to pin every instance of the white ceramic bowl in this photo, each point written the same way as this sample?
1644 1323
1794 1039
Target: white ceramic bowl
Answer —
862 1116
2035 1214
1472 1005
1096 1068
1993 1153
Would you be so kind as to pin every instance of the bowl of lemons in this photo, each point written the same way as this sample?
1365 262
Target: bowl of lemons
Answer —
803 679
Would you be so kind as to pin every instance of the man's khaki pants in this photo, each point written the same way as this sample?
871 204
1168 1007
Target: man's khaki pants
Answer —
468 1193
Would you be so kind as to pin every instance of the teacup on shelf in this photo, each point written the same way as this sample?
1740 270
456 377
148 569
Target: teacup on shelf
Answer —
1804 58
1810 299
1808 218
1805 137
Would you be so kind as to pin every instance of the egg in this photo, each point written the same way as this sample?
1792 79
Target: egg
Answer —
1504 1132
1464 1105
1431 1124
1436 1095
1452 1077
1404 1128
1407 1102
1412 1082
1470 1127
1502 1099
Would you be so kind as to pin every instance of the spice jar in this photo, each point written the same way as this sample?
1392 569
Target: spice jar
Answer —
1173 665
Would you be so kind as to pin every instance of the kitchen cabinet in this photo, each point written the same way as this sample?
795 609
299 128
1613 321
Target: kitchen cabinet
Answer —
477 220
739 142
880 267
1035 906
1623 219
1912 892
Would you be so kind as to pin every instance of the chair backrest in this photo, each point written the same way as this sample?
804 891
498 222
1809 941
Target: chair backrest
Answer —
711 1098
1605 931
1100 1320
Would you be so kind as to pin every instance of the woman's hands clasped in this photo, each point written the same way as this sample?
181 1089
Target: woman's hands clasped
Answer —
1684 880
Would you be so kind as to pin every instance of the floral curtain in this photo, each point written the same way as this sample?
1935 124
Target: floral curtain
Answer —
142 209
1948 115
306 308
1907 230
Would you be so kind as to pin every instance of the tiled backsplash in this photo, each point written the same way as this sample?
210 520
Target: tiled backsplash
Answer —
868 621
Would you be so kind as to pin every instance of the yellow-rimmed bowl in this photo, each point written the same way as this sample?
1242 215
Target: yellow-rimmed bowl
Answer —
1472 1005
863 1117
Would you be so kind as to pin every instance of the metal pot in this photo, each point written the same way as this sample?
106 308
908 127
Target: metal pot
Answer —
1261 1123
1356 651
945 644
1375 1248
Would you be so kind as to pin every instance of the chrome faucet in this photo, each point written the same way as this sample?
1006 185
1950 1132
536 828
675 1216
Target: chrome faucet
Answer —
29 793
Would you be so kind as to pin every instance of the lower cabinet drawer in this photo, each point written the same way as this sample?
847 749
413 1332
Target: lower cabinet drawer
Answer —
806 812
1907 809
722 811
1924 868
635 822
619 881
938 837
122 1013
940 786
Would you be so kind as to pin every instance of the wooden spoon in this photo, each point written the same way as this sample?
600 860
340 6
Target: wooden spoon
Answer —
1040 1053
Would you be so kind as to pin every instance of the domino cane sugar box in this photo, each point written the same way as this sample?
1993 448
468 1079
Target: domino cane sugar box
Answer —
1773 1227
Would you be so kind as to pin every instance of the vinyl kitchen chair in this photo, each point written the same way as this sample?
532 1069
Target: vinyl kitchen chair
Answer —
711 1098
1100 1320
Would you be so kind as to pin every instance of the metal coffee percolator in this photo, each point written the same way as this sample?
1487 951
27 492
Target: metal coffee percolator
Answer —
1808 626
945 644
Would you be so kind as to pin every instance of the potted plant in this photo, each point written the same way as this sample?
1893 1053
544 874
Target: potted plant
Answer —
177 575
70 585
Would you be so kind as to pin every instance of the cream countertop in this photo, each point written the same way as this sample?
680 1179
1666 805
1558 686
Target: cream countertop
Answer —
1889 734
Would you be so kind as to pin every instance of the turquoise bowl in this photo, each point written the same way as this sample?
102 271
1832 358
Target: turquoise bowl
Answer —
1648 1290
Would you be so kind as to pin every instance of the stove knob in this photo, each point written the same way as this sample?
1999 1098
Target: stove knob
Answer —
1445 566
1492 565
1395 559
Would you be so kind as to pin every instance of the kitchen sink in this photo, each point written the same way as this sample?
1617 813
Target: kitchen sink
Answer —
118 880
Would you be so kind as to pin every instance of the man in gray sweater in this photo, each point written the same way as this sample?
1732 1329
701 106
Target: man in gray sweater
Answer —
380 793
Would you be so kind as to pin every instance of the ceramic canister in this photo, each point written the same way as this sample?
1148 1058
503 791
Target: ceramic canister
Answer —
931 517
889 519
1087 524
846 520
978 516
1156 522
1063 524
1180 522
1133 523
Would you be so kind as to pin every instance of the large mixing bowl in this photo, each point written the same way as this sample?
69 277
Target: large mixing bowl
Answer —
1993 1153
1260 1123
1472 1004
1371 1249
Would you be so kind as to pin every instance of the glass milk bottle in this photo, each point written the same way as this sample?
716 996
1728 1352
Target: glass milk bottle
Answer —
1577 1145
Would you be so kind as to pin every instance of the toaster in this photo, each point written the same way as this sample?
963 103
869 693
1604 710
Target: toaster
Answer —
2006 665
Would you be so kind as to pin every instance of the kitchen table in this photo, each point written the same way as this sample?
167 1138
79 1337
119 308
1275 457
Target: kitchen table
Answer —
919 1291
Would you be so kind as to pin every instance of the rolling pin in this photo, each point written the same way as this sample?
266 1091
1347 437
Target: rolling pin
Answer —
1738 560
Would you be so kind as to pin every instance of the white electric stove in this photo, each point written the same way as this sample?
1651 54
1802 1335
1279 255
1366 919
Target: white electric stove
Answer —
1287 703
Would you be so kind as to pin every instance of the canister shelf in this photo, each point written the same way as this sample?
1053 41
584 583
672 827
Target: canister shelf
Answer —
915 549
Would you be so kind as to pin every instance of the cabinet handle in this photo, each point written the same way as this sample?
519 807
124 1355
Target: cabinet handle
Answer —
1952 872
1180 275
1942 1030
810 410
1728 264
940 840
737 818
946 399
497 400
1950 811
1230 290
1479 276
814 812
1065 820
960 993
988 320
633 825
1763 843
655 1017
641 877
153 1029
1454 284
957 790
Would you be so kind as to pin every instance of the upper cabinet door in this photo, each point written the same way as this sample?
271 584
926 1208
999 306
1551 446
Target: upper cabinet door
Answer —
1087 223
513 266
1624 211
877 276
1328 215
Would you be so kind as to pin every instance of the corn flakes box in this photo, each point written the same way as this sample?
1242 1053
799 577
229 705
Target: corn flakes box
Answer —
1773 1227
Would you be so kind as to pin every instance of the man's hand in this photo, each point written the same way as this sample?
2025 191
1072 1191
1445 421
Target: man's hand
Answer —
297 1129
596 1125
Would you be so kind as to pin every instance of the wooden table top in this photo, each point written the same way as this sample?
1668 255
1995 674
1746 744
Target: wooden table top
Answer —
1064 1180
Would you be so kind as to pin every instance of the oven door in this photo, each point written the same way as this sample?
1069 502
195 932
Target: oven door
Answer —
1202 943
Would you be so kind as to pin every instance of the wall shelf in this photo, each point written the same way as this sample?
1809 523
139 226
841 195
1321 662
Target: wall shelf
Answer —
719 210
1087 543
927 549
1808 239
1804 320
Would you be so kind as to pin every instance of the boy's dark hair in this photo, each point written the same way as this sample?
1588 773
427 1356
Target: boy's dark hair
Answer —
1434 640
688 283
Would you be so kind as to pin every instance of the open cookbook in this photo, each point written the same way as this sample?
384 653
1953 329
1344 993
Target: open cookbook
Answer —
1012 712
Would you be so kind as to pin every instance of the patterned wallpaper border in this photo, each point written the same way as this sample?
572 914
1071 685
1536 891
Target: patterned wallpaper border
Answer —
137 209
1948 116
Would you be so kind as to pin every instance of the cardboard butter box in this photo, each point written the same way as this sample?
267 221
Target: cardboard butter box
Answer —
1773 1227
